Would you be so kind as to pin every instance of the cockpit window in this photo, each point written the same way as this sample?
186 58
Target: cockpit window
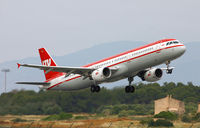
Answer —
172 42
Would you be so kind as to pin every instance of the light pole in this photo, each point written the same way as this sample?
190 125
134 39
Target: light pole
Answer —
5 71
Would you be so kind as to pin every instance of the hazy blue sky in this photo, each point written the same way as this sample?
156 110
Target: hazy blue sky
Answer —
64 26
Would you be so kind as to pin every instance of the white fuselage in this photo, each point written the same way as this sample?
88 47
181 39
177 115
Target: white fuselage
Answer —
128 64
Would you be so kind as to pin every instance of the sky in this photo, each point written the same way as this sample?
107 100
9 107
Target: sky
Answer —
66 26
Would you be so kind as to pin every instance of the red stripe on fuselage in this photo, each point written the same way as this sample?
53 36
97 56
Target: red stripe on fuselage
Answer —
120 63
133 50
63 82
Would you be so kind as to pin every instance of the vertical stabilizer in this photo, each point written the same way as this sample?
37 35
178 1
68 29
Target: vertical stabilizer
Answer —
47 60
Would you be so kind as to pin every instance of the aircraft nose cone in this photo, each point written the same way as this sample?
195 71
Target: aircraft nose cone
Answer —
183 49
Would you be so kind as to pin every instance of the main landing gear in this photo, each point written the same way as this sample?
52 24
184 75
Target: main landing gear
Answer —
169 70
130 88
95 88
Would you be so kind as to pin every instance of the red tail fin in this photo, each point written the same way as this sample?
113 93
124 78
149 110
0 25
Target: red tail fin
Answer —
47 60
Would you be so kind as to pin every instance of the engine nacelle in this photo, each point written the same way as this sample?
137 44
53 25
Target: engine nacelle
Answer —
101 74
153 75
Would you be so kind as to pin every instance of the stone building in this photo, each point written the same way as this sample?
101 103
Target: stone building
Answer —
169 104
198 111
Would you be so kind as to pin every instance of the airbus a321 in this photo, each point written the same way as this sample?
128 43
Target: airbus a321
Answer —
136 62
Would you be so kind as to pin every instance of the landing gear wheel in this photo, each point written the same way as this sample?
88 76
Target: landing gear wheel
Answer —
130 89
95 88
169 71
127 89
92 89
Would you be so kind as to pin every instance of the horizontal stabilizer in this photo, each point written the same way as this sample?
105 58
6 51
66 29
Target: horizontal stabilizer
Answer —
34 83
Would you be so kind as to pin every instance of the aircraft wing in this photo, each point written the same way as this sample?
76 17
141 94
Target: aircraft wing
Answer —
69 70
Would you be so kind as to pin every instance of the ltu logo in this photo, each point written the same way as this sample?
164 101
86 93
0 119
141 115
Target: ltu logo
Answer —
46 62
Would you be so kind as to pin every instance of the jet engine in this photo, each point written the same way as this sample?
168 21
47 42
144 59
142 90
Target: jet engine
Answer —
151 75
101 74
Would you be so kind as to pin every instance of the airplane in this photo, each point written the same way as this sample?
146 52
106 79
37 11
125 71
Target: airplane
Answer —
136 62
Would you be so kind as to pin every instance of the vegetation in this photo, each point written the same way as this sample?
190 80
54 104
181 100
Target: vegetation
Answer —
146 121
186 118
18 120
106 102
61 116
167 115
191 118
160 123
126 109
81 117
197 117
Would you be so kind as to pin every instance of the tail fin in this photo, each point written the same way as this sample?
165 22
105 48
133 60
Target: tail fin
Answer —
47 60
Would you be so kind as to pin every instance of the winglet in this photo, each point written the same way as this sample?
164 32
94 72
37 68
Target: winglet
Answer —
18 65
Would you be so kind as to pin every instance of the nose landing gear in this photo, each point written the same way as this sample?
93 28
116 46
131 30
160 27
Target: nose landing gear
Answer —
130 88
169 70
